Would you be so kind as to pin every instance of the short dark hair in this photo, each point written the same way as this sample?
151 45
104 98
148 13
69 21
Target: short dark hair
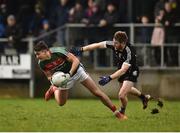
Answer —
41 45
121 37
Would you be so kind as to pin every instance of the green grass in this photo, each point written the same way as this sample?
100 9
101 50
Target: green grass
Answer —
36 115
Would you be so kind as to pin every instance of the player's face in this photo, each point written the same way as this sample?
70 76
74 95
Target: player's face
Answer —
42 55
117 45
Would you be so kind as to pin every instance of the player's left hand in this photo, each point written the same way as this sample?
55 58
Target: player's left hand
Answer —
104 80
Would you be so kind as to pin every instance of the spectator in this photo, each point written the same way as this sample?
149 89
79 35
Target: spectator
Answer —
60 17
102 4
37 19
110 17
14 34
2 33
158 36
88 11
76 14
24 14
169 21
145 32
159 6
3 13
50 38
143 35
2 28
95 17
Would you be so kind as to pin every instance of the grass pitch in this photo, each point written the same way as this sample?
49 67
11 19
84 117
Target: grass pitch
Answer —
82 115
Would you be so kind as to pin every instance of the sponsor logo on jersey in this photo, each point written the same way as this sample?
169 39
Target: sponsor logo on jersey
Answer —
56 63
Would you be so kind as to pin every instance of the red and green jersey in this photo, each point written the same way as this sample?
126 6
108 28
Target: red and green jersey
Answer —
57 62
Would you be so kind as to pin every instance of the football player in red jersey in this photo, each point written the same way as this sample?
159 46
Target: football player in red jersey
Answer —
56 59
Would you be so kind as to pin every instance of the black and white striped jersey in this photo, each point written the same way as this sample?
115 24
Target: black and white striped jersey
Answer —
128 55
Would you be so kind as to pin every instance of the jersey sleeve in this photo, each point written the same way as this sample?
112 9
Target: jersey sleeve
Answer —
129 55
60 51
109 44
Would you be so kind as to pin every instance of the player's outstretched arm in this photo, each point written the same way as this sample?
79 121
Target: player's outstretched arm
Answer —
79 50
93 46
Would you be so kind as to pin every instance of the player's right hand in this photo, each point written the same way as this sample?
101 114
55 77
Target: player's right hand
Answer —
76 51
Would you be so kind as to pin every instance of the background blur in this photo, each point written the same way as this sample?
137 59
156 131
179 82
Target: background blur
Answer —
153 28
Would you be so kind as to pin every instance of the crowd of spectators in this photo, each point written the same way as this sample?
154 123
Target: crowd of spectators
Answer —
23 18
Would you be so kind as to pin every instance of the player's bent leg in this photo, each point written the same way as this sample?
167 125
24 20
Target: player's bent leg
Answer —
124 90
92 87
144 98
61 96
50 92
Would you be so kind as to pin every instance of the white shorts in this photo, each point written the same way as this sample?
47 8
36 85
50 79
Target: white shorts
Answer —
79 76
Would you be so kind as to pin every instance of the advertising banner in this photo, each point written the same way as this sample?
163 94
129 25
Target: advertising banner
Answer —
15 66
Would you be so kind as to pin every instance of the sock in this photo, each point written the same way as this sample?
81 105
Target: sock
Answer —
113 108
142 96
122 110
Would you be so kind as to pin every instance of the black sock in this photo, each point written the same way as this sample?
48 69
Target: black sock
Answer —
122 110
142 96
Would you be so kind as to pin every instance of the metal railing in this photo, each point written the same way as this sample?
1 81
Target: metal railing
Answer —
73 31
144 50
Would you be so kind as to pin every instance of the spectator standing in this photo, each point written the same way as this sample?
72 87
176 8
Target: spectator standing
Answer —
36 23
169 21
14 34
102 4
24 14
110 17
50 38
158 36
3 13
76 13
2 33
60 17
96 16
158 7
145 32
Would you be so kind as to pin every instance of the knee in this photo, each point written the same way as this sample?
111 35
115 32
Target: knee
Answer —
122 96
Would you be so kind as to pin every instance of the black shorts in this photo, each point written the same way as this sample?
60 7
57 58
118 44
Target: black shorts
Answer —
129 76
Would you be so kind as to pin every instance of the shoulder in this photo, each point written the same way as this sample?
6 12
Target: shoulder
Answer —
109 44
60 50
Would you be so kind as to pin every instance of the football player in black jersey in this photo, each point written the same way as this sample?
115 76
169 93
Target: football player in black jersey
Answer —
127 72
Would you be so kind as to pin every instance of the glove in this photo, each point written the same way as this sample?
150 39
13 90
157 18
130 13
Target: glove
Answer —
104 80
77 51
